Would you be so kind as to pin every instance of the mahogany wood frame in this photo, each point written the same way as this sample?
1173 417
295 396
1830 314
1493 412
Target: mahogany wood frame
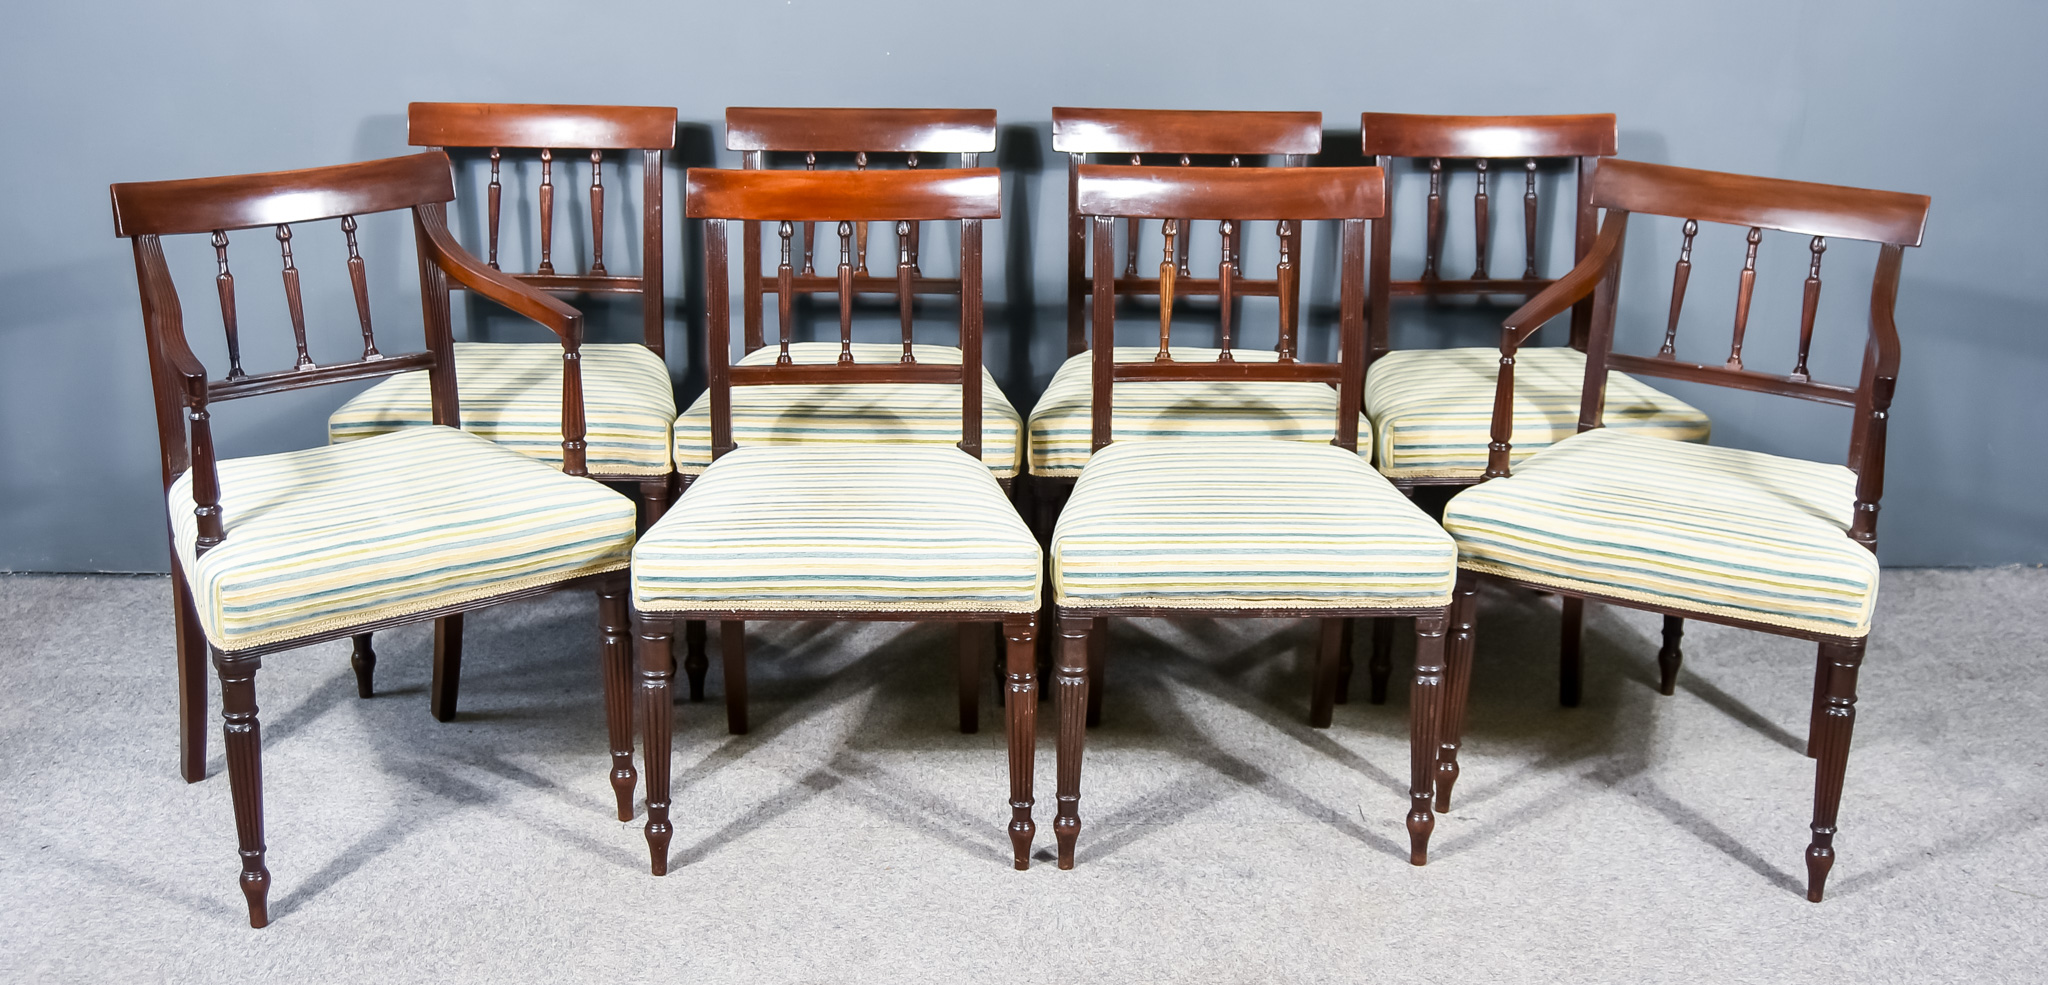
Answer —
1528 141
1354 196
786 198
1891 219
144 212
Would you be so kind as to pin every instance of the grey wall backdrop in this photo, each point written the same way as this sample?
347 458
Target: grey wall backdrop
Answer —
1938 98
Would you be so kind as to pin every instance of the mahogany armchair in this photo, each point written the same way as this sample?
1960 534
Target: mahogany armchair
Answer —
275 552
846 530
1739 538
1241 526
1431 408
509 390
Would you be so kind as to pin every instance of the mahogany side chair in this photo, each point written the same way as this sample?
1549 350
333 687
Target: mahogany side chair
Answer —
824 413
275 552
1242 526
1431 408
509 391
840 530
1060 426
1739 538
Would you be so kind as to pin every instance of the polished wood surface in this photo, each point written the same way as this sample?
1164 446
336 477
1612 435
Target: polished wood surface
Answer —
536 125
1802 207
851 130
1270 194
1419 135
844 196
1077 130
206 205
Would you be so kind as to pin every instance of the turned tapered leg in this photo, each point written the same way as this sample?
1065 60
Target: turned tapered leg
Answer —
1020 709
1098 662
1670 656
1831 758
1425 718
242 739
1570 664
1071 675
1381 667
1457 685
447 667
973 643
192 654
695 663
1323 685
653 636
615 663
732 646
1344 661
364 660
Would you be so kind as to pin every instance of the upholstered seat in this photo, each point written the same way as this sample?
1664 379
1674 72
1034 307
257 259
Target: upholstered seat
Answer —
512 394
394 525
926 414
1432 409
1677 525
1212 523
1062 429
824 528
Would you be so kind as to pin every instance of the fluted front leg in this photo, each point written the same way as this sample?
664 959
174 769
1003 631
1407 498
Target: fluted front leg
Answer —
1669 658
1570 663
1425 717
1457 685
615 664
1020 709
657 717
242 738
364 660
1841 662
695 662
1071 681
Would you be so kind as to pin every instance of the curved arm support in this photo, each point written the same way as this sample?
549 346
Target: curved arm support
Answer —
1880 377
1553 301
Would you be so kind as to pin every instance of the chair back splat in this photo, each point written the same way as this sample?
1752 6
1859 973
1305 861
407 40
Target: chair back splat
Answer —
1893 220
1232 196
1187 138
845 199
590 131
916 135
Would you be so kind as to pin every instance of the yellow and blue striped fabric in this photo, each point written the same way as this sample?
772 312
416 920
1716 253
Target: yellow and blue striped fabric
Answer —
1244 523
511 393
1432 409
1722 531
404 523
840 528
1062 421
853 413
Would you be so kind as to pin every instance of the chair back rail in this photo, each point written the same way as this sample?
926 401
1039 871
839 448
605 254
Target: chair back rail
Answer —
145 212
1893 220
1491 143
757 131
1287 196
1129 134
549 129
846 199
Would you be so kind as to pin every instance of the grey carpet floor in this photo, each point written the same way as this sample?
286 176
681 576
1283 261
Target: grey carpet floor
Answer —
856 836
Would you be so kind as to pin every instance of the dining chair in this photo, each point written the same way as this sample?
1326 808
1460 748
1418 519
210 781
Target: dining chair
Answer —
510 391
882 530
831 413
276 552
1060 428
1242 527
1735 537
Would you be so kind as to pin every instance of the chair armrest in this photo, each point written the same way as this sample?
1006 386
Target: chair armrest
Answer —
465 269
1554 300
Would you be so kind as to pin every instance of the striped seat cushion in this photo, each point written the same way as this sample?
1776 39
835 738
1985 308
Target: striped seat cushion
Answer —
1432 409
853 413
1669 523
840 528
403 523
1244 522
512 394
1062 421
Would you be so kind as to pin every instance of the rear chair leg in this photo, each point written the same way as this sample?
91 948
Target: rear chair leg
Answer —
615 665
732 645
973 637
1381 667
447 667
1072 680
654 635
1323 692
242 738
1840 662
1570 664
1021 710
1098 663
192 654
364 660
695 663
1425 719
1670 656
1345 665
1457 685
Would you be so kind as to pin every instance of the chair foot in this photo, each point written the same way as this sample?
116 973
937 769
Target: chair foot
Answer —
364 660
